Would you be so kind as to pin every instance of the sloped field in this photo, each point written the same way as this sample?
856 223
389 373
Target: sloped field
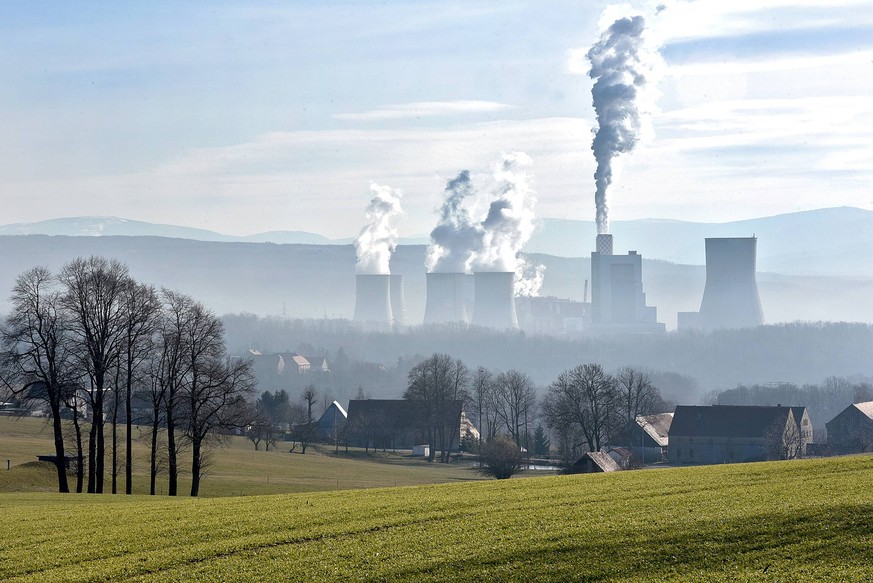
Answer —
784 521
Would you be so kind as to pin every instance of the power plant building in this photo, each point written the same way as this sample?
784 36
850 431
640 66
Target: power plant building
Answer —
494 301
373 301
446 299
730 298
618 302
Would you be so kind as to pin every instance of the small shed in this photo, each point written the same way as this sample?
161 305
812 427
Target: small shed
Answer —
594 462
421 450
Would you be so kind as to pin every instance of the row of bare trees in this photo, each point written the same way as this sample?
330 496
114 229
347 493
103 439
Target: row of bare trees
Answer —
91 339
586 407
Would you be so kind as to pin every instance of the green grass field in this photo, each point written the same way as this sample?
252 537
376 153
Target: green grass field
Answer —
235 469
806 520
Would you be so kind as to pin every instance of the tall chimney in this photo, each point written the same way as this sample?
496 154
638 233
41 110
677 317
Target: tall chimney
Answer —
398 302
373 300
604 244
494 302
730 298
445 298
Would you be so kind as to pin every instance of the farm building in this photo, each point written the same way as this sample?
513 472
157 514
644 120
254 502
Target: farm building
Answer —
331 423
594 462
851 431
400 424
733 433
647 437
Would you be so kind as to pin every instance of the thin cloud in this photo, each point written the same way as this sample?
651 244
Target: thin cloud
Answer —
424 109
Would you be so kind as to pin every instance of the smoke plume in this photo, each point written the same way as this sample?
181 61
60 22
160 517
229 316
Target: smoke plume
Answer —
510 220
377 240
455 238
619 67
528 278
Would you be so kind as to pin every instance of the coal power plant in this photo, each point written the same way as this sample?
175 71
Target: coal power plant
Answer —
373 301
494 301
618 302
446 299
730 298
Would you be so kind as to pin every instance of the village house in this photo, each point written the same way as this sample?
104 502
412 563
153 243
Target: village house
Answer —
647 437
851 431
734 433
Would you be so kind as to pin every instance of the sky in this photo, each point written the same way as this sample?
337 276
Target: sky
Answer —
262 116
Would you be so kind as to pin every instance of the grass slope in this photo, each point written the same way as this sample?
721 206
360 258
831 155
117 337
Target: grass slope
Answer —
236 469
780 521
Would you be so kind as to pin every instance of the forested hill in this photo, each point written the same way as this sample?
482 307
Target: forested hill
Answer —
314 281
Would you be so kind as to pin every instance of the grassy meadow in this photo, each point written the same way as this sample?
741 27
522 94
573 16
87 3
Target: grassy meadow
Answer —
807 520
234 469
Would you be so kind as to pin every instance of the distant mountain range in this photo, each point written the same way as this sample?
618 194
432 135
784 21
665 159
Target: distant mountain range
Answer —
832 241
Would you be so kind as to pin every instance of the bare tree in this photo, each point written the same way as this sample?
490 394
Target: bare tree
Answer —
438 383
584 398
215 388
515 400
140 308
638 396
36 361
93 295
482 400
306 433
783 441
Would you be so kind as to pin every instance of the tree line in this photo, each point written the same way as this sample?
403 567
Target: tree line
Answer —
585 408
91 342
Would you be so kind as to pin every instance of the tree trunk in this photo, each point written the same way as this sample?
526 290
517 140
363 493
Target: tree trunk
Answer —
60 455
80 454
99 418
153 455
128 441
172 470
195 467
115 442
92 452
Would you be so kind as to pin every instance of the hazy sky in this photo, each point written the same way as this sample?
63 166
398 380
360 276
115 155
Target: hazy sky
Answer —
244 117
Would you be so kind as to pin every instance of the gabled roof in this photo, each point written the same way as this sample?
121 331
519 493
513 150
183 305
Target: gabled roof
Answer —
316 361
865 408
601 459
399 413
726 420
656 426
798 414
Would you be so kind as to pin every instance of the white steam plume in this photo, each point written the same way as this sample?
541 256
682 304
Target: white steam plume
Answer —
528 278
620 65
510 221
456 237
377 240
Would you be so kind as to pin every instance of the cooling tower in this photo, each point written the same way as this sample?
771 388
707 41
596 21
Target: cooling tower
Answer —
445 298
398 303
494 301
373 300
730 298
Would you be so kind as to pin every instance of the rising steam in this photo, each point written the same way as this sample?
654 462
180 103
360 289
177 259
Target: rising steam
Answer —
528 277
619 66
510 220
377 240
455 238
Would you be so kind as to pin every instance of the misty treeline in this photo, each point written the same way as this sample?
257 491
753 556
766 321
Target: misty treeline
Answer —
824 400
585 407
104 351
690 363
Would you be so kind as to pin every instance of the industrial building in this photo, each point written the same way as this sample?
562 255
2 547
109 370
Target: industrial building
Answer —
730 298
373 301
494 302
446 299
618 302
